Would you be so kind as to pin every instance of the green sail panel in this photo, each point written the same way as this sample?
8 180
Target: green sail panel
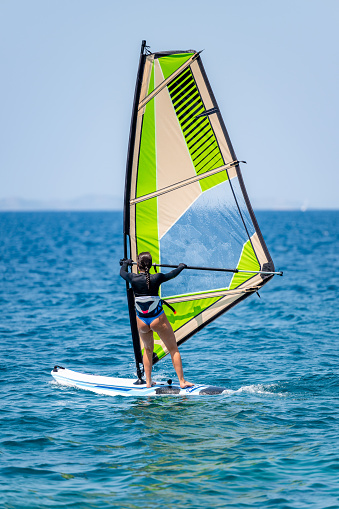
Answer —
248 261
171 63
147 228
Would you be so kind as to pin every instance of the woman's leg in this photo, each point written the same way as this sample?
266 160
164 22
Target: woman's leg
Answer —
146 335
162 327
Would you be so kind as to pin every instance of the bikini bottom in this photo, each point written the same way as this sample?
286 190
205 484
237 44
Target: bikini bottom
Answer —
149 320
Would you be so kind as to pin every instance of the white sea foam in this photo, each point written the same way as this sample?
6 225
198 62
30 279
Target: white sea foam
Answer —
254 389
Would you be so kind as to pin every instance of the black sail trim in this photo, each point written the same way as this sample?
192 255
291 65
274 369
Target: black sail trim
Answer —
197 141
188 106
178 79
209 161
181 99
180 92
200 147
196 132
213 142
126 220
209 164
182 85
189 116
179 85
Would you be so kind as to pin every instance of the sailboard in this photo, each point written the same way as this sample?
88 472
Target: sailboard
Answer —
185 201
111 386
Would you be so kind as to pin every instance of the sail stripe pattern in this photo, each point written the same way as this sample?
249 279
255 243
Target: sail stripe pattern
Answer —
207 222
198 133
199 136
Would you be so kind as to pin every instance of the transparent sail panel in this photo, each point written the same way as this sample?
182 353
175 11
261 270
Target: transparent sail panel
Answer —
210 233
242 205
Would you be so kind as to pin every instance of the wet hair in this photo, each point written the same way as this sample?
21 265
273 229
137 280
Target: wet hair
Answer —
145 263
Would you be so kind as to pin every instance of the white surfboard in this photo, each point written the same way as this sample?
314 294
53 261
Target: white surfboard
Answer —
126 386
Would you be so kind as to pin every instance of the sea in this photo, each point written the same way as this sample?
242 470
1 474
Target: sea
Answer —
271 441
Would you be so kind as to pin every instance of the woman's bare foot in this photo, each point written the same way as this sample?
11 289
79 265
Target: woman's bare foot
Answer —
149 385
185 385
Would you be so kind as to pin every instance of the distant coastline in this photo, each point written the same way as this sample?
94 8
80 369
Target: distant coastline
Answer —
82 203
115 203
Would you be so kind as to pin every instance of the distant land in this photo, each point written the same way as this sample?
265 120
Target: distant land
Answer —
110 202
88 202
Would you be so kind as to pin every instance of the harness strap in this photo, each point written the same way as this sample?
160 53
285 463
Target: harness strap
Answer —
169 306
146 305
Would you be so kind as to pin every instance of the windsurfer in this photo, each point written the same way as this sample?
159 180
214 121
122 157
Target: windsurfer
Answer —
150 314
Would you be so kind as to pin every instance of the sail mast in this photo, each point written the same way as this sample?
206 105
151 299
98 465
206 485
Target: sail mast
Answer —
127 247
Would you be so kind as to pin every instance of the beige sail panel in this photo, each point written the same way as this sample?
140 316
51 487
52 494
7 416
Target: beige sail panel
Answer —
254 282
146 77
232 172
174 162
171 206
158 75
206 97
145 82
258 249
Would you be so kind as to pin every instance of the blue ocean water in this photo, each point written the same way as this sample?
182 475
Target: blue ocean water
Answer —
272 441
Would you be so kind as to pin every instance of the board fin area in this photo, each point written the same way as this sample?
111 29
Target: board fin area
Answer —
112 386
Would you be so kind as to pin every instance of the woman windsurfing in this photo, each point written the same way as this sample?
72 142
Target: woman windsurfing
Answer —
150 314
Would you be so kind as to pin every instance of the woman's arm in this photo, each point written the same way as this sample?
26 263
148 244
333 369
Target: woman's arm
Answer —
124 271
174 273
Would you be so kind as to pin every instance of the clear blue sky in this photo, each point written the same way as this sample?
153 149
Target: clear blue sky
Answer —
68 70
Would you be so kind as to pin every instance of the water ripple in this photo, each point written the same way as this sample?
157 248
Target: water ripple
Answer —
269 441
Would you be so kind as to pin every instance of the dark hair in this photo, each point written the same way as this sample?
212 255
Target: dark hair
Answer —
145 263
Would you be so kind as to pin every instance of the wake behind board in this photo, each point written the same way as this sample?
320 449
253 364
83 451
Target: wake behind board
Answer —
111 386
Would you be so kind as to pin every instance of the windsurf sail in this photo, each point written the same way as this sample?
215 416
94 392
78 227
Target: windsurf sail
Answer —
185 199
